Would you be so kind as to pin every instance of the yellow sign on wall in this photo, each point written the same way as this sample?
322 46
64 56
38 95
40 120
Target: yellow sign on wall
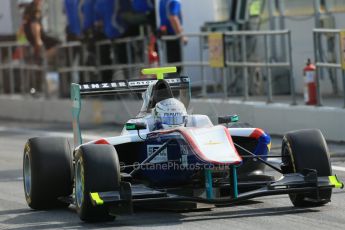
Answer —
255 8
342 48
216 50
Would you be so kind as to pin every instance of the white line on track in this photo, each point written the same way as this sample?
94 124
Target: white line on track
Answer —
338 168
47 133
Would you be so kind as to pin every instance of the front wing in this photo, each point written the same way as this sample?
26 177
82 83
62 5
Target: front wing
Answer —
128 195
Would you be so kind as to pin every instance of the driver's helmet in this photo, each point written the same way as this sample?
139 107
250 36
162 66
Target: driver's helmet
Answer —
169 113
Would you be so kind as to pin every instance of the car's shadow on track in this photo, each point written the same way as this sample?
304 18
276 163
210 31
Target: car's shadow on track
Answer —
248 213
67 218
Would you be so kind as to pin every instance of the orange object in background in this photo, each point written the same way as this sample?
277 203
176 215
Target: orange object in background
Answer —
18 53
309 84
153 55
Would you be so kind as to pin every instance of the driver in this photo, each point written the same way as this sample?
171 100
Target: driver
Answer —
169 113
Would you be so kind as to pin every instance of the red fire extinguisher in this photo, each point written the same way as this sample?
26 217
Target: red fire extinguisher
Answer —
309 83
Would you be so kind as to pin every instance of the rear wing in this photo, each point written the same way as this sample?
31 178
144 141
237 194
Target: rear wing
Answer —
127 86
120 87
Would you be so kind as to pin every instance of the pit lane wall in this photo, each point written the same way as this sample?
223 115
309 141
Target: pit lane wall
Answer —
273 118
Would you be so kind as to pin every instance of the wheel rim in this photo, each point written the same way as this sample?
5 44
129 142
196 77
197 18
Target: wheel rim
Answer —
27 174
79 183
286 158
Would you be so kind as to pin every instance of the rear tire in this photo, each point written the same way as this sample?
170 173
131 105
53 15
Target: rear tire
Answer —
307 149
47 172
97 169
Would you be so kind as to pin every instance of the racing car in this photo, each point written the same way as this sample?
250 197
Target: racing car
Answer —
165 157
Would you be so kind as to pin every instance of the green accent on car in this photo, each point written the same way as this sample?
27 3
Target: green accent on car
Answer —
76 108
131 127
96 198
234 118
208 184
335 182
159 72
234 181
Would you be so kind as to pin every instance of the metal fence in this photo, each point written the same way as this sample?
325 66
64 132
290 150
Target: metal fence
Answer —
239 56
74 62
328 63
244 51
18 67
267 62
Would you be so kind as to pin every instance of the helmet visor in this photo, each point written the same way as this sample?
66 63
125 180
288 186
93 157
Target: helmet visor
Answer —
172 120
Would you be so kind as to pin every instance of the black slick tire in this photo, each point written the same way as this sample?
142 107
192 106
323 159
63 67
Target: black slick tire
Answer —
307 149
97 170
47 172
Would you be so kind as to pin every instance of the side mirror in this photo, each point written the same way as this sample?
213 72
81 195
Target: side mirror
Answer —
135 126
228 119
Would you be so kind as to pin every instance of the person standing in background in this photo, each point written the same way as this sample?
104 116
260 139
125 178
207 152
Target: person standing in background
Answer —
91 30
109 13
81 17
38 39
88 17
170 12
73 32
143 6
73 27
34 32
146 7
113 26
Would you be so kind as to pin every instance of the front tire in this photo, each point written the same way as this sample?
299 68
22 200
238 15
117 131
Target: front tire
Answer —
307 149
97 169
47 172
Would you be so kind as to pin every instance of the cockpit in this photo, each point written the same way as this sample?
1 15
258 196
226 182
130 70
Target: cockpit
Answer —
161 90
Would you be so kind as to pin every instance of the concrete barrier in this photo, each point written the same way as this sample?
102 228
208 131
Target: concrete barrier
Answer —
274 118
278 118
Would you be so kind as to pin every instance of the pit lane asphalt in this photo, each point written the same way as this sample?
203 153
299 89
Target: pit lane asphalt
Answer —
275 212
